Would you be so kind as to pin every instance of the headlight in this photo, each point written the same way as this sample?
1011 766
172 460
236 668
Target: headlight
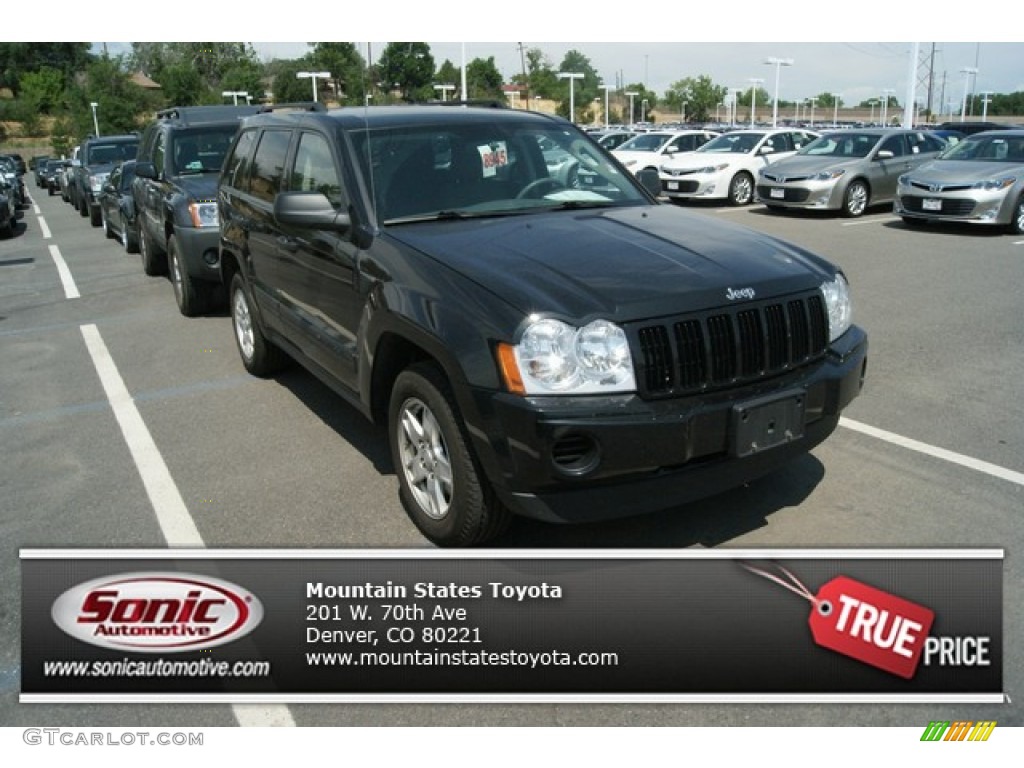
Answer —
840 310
903 180
991 185
827 175
96 181
713 168
203 214
553 357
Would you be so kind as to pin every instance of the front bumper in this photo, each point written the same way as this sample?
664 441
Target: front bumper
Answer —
975 207
200 252
595 458
817 195
695 185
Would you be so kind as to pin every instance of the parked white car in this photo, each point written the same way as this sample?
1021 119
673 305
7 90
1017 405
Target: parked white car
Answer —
650 150
727 166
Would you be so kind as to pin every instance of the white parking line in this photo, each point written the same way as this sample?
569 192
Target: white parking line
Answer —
176 524
939 453
70 289
44 228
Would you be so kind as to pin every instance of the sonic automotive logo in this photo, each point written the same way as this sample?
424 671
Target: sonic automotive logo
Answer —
157 612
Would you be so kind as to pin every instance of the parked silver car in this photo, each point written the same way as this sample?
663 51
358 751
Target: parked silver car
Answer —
980 180
846 170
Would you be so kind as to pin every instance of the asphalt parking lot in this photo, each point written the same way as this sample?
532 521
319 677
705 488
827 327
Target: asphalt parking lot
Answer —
930 455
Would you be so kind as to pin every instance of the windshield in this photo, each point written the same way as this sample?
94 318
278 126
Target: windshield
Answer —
112 153
841 145
495 168
202 150
995 148
645 142
739 143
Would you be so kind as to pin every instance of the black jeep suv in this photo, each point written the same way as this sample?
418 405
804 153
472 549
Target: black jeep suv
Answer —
568 354
179 160
99 156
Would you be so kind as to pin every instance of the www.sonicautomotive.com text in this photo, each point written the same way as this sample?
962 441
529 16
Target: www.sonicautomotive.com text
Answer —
156 668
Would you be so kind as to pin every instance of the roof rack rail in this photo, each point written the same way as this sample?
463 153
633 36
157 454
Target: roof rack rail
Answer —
205 113
308 106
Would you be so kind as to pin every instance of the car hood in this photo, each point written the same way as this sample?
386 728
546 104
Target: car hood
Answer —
804 165
199 186
691 160
622 264
963 171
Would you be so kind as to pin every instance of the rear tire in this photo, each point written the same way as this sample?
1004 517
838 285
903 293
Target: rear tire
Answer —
152 264
259 356
440 485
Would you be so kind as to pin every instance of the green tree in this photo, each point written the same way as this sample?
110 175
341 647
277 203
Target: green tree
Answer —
19 59
699 95
42 91
448 74
216 66
288 87
584 90
121 104
407 68
542 79
347 68
483 80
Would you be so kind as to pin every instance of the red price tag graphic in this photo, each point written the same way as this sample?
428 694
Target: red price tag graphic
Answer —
864 623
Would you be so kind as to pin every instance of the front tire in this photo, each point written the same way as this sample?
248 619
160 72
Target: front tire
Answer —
1017 223
855 201
440 485
129 239
741 189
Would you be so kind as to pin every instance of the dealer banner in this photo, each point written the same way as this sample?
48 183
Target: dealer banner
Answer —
406 625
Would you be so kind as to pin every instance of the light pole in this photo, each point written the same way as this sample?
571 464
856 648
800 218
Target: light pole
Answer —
313 76
445 87
572 77
755 82
778 64
813 101
607 88
967 72
632 95
872 105
682 112
835 110
885 106
235 95
95 121
643 111
986 97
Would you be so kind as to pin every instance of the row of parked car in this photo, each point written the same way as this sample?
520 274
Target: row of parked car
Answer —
538 334
924 175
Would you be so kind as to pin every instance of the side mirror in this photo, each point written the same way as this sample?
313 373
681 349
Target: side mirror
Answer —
145 169
648 177
884 154
308 209
766 150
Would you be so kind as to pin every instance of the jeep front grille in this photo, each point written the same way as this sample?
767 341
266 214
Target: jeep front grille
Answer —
729 345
